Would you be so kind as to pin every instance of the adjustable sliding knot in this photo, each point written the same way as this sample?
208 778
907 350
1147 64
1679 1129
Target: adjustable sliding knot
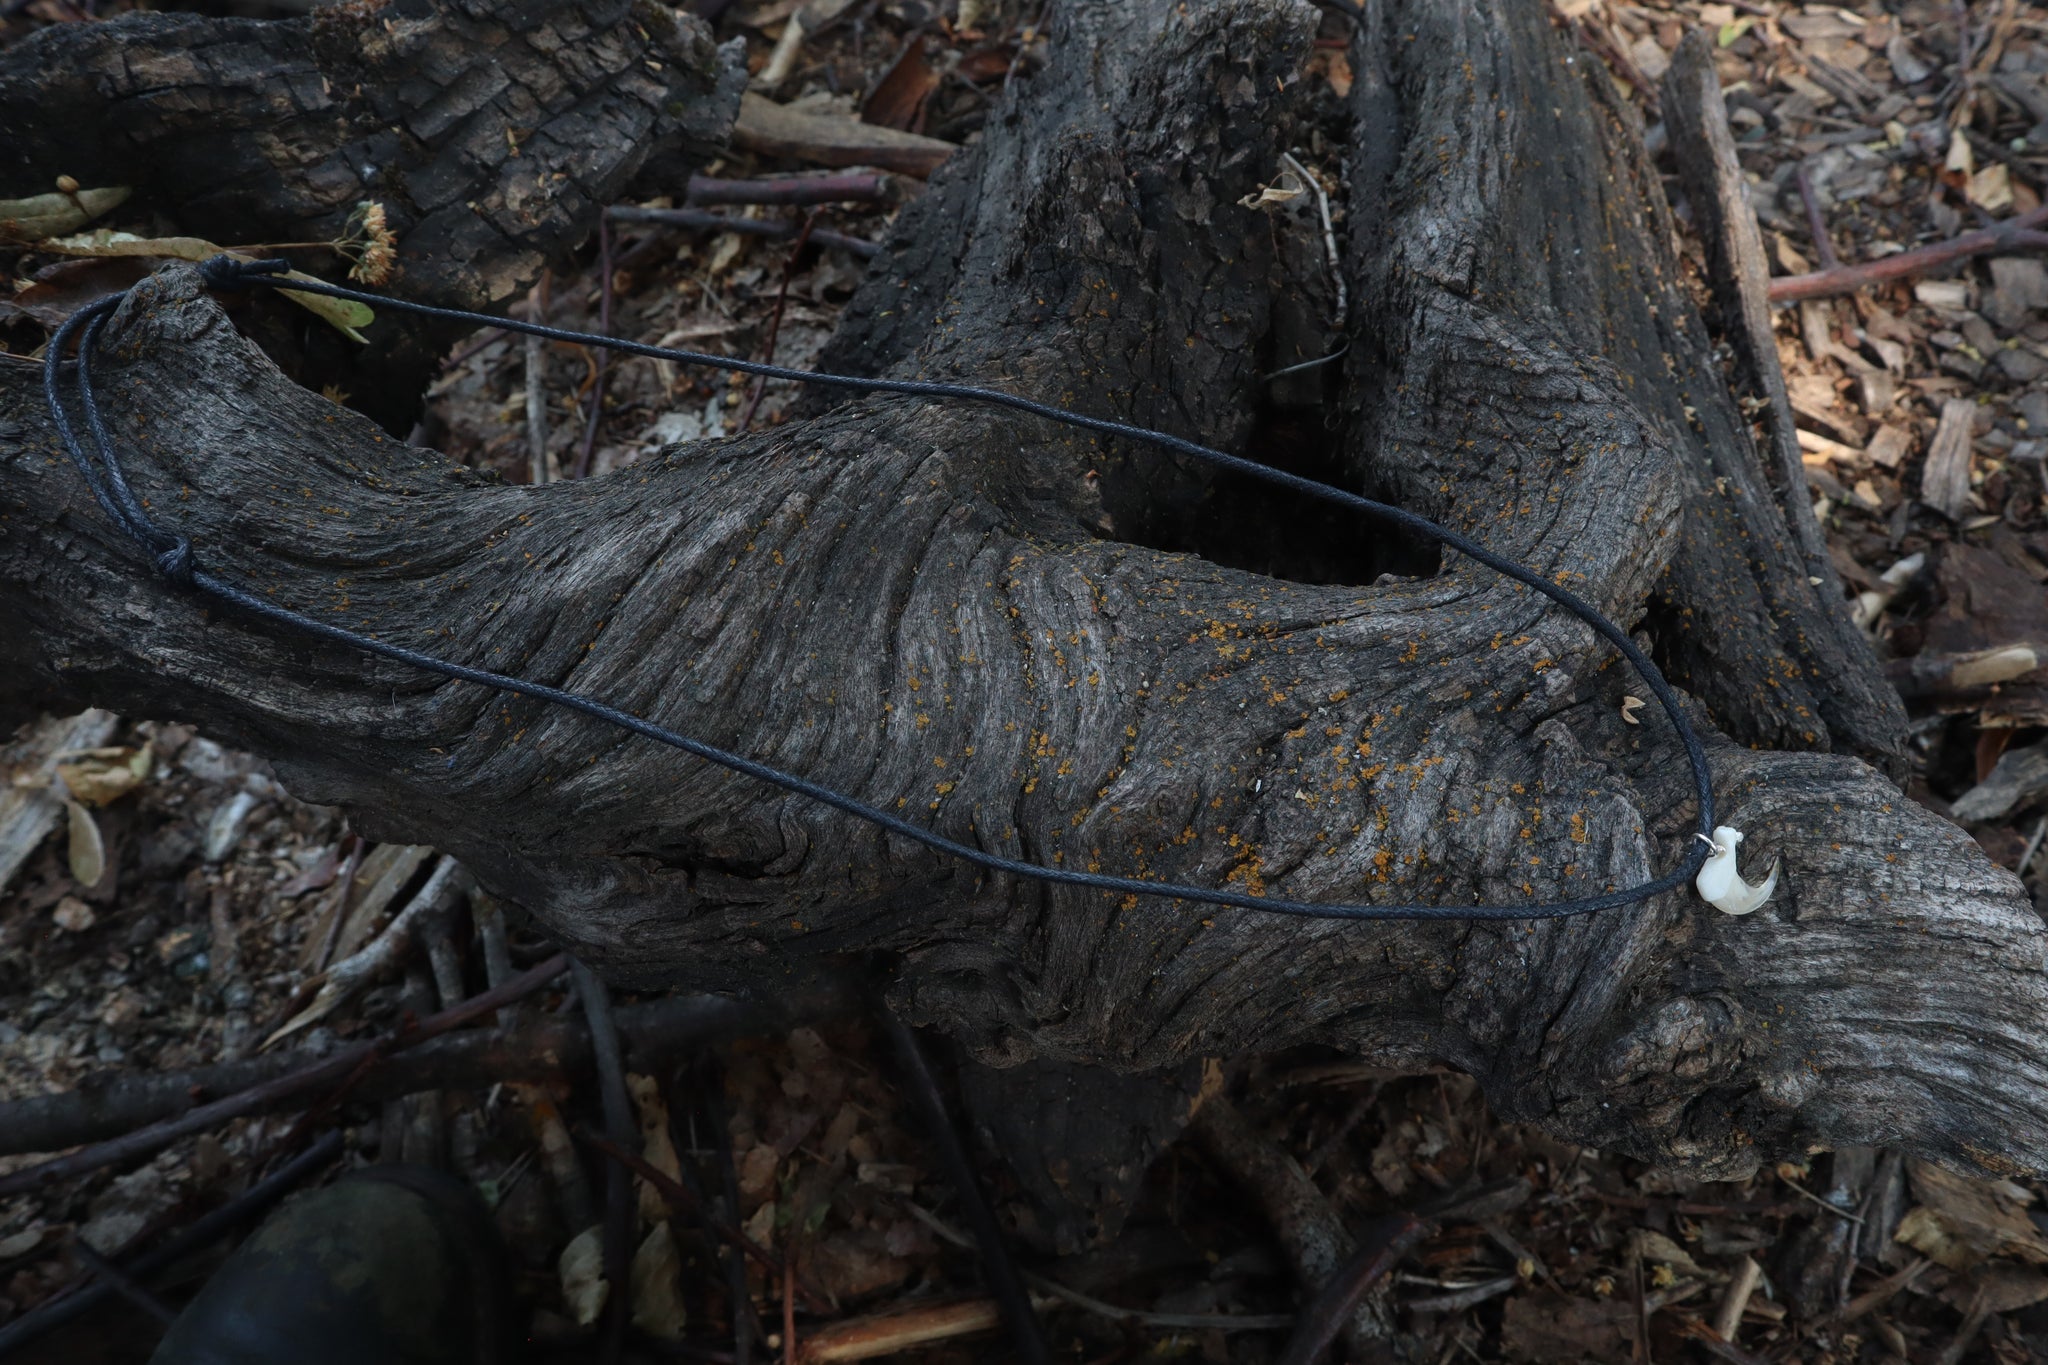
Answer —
232 272
176 564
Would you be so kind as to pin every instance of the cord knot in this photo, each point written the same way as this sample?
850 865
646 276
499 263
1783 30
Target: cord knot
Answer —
176 564
232 272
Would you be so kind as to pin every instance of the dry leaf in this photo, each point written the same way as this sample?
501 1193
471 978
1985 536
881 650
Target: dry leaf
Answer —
2006 1289
1961 1222
99 776
343 315
73 915
899 100
658 1307
655 1145
1335 68
1284 190
88 850
47 215
1544 1329
581 1268
1991 188
62 289
1961 160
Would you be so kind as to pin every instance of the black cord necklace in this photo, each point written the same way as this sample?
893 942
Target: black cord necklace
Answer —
174 558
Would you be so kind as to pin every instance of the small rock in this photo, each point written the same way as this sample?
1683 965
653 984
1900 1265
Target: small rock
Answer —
179 945
2019 288
1959 362
208 762
225 828
2020 365
2033 406
20 1244
74 915
1978 333
125 1008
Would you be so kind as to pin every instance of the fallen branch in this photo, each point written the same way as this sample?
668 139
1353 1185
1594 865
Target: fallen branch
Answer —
703 220
1314 1238
798 190
106 1106
1027 1337
333 1068
1335 1303
49 1316
621 1130
888 1333
770 129
447 884
2015 234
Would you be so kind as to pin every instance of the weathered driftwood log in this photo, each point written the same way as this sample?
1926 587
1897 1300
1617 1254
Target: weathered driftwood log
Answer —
924 605
492 133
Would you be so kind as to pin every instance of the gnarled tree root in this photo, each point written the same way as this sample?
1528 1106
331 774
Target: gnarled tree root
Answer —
919 604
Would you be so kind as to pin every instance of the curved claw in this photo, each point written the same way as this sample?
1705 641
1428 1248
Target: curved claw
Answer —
1720 882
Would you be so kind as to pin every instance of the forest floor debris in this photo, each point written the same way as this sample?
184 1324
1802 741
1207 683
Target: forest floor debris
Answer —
167 906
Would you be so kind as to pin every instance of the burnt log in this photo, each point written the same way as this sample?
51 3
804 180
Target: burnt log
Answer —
1094 655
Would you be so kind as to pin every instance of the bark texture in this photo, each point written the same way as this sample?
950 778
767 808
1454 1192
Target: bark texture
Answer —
491 132
1005 629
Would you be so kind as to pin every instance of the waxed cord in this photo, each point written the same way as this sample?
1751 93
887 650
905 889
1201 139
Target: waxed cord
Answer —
174 558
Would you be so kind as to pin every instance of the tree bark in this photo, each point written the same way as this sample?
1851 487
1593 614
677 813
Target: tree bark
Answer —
1095 656
492 133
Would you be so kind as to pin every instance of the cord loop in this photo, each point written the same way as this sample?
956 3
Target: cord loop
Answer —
173 556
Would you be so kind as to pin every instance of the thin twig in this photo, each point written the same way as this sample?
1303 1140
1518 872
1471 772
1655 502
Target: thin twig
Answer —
2033 845
111 1103
2021 233
775 320
838 188
1172 1322
54 1313
1816 225
1326 1316
619 1127
1715 1344
1003 1280
703 220
789 1312
447 884
1875 1297
537 387
1335 261
685 1201
1458 1300
713 1099
123 1283
340 1065
1642 1350
1835 1209
1165 1322
604 355
347 881
1728 1318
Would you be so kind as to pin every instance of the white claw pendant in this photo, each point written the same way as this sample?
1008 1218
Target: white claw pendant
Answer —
1720 883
